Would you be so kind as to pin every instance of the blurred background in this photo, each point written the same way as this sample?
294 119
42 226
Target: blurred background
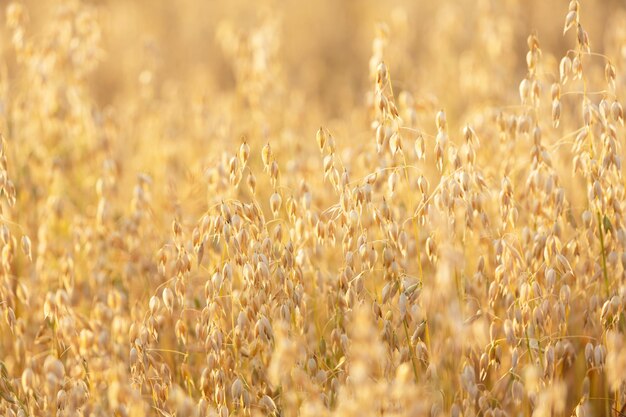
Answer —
124 118
324 46
157 74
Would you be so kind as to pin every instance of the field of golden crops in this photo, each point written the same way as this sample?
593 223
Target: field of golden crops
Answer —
326 208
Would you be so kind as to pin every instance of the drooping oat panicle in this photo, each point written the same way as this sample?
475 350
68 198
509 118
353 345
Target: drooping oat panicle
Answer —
426 262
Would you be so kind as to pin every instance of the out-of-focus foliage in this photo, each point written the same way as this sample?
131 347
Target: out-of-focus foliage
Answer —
346 208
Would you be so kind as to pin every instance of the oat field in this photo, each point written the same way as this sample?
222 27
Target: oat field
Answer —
327 208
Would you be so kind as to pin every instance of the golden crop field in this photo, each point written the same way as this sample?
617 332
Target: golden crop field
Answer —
323 208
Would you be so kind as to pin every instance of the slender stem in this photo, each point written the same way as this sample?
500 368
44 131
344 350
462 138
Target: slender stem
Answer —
530 352
417 246
419 261
411 349
603 251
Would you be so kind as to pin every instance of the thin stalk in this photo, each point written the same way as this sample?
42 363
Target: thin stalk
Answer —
411 350
603 251
417 247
